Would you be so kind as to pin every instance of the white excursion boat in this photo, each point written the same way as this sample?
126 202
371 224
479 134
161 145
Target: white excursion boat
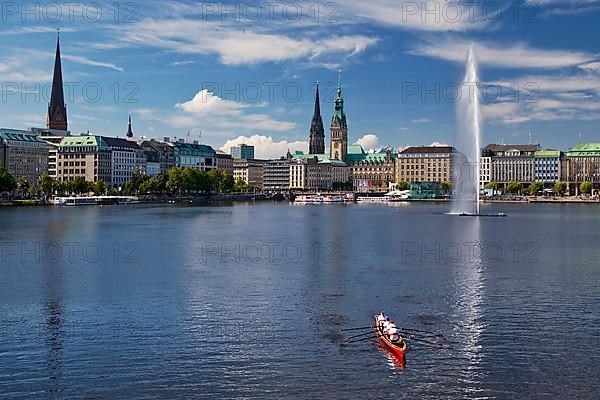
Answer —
93 200
319 199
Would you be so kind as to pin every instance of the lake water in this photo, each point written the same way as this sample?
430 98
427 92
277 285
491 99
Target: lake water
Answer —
248 301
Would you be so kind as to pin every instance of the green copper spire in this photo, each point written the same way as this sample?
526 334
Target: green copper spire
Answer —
339 101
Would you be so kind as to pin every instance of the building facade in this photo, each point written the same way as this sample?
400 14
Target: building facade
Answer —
548 167
276 176
23 154
425 164
224 162
512 162
242 151
194 155
583 165
84 156
161 153
250 171
127 157
370 172
485 168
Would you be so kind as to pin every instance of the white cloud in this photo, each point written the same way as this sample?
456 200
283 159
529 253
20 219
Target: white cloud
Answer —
591 66
239 44
93 63
178 63
206 109
438 144
265 147
518 55
17 70
427 15
369 141
205 102
420 120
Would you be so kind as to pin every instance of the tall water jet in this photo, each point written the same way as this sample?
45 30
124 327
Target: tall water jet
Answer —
466 163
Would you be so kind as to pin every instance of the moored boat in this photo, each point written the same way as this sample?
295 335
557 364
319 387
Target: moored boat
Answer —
394 348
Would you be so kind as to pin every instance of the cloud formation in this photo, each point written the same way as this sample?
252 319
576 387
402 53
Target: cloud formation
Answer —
266 147
517 55
369 141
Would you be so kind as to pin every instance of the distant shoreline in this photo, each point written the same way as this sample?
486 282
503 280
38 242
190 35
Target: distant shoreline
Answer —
224 199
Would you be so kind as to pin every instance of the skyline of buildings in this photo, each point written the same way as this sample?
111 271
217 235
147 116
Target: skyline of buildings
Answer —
114 160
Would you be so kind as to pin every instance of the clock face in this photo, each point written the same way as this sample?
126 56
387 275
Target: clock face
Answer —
336 145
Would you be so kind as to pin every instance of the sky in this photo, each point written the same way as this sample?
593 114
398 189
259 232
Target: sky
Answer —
233 72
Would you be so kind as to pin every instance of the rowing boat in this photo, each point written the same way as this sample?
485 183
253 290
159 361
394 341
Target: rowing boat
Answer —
394 348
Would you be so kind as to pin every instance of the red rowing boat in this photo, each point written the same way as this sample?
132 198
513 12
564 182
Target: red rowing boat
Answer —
397 350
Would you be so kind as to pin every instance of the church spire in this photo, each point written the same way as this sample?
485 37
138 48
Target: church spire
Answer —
317 132
57 110
129 133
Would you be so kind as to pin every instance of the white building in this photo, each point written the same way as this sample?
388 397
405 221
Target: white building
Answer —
127 157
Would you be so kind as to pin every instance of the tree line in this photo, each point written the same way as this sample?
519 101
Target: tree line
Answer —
176 181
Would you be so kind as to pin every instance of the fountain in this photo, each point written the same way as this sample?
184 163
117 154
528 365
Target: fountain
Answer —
466 172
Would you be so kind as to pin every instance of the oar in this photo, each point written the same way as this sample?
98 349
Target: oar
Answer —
356 329
362 334
360 340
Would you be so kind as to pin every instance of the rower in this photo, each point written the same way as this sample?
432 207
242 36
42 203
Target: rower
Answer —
384 325
389 326
381 317
393 334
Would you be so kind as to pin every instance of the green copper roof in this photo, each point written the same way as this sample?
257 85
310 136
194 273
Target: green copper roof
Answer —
321 158
585 150
19 135
547 153
367 157
86 140
355 149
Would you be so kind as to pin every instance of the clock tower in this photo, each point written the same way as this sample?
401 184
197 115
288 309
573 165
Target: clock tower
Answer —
339 127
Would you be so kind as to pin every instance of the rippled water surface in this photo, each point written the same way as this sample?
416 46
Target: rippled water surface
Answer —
248 301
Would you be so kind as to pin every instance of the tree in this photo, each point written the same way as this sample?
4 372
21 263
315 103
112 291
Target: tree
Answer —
240 185
23 184
8 182
514 187
402 186
445 187
586 187
79 185
535 187
174 183
491 185
99 187
227 182
47 184
560 188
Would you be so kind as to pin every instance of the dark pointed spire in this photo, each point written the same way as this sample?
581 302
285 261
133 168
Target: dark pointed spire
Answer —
129 131
57 110
317 132
317 102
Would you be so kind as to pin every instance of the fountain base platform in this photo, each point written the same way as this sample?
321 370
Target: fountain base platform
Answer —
466 214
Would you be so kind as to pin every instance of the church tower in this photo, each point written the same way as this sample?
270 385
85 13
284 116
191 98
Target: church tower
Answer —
57 110
339 127
317 132
129 133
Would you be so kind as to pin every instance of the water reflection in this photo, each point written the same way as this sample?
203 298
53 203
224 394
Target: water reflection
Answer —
54 323
469 286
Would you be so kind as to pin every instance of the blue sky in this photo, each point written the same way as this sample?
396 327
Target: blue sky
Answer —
245 71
